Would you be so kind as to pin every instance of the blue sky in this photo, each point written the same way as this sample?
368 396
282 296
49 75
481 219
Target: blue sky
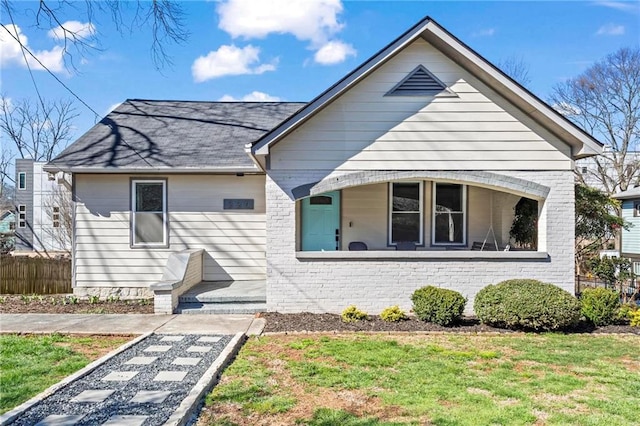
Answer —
292 51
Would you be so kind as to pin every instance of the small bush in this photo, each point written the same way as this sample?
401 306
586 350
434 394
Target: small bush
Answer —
393 314
625 312
600 305
635 319
526 304
352 314
438 305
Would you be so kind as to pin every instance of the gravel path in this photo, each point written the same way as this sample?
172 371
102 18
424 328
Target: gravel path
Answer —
143 385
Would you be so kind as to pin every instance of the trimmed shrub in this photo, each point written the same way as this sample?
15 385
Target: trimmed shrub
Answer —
635 319
352 314
600 305
438 305
625 312
526 304
393 314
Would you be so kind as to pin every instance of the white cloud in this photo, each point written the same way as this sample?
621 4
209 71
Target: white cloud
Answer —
623 6
488 32
313 20
334 52
254 96
610 29
81 30
11 52
566 109
230 60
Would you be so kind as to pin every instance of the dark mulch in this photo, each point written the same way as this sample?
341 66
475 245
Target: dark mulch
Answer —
307 322
53 304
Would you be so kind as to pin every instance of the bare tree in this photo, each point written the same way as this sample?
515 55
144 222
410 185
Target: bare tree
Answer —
516 68
39 130
6 160
163 17
605 101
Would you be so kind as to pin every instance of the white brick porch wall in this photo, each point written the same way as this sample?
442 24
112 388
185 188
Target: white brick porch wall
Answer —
297 285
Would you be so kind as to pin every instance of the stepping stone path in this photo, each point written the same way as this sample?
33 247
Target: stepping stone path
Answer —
143 385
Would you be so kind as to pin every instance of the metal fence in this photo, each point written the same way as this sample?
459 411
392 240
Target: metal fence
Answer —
34 275
628 289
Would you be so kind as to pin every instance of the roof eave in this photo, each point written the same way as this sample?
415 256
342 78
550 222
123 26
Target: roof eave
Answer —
150 170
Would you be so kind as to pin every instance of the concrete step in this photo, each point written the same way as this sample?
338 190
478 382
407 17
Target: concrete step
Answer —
204 298
199 308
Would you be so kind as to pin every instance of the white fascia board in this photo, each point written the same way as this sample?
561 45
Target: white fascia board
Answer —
149 170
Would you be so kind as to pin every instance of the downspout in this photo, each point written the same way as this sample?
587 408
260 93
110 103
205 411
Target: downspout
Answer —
249 151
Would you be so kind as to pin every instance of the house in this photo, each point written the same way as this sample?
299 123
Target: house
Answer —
602 175
7 231
419 155
42 202
630 247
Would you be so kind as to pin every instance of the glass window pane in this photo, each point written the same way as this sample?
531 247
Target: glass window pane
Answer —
405 227
149 228
322 199
149 197
448 197
449 227
22 177
406 197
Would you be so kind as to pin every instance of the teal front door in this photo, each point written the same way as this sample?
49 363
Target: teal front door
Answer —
321 222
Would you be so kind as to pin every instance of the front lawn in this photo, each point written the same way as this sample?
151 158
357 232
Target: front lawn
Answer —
30 364
448 379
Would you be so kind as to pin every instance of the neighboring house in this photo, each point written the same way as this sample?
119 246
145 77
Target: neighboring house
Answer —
7 222
630 247
420 154
588 170
42 200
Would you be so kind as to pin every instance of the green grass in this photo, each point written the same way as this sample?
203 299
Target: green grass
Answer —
449 379
30 364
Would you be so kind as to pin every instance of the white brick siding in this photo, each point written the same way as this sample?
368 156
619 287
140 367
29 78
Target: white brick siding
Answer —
296 285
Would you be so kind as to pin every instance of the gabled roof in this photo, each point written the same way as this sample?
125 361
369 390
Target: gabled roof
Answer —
628 194
5 214
148 136
583 144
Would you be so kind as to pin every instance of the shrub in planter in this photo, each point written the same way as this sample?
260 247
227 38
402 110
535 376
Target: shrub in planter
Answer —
438 305
393 314
635 319
352 314
600 305
625 313
527 304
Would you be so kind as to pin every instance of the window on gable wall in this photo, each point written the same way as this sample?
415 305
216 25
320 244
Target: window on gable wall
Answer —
449 214
405 212
149 213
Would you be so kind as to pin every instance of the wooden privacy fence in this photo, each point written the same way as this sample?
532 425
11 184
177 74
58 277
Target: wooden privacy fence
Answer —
34 275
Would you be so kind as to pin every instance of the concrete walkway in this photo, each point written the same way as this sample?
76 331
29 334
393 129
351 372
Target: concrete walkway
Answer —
130 324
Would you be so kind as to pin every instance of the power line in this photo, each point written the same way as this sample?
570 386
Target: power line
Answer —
26 49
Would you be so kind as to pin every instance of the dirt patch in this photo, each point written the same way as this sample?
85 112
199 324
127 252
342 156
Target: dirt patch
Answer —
96 346
307 322
59 304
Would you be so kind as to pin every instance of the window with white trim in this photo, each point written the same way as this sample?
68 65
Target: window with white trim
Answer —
22 216
149 213
22 180
449 221
405 212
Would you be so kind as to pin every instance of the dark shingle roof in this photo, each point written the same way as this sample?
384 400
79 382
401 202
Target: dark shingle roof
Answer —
145 134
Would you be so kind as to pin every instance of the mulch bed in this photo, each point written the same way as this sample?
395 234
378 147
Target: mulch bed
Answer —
53 304
307 322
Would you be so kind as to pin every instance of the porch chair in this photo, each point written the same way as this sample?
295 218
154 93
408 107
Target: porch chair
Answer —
357 246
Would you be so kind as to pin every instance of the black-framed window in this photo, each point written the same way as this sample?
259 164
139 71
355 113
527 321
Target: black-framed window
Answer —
636 209
22 216
55 216
449 221
149 226
22 180
406 210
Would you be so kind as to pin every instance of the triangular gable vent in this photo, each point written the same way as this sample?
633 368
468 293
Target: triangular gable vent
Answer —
419 82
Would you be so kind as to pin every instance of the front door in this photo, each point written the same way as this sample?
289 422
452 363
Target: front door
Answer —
321 222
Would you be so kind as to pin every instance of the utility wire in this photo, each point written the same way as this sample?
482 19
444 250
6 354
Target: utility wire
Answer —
26 49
